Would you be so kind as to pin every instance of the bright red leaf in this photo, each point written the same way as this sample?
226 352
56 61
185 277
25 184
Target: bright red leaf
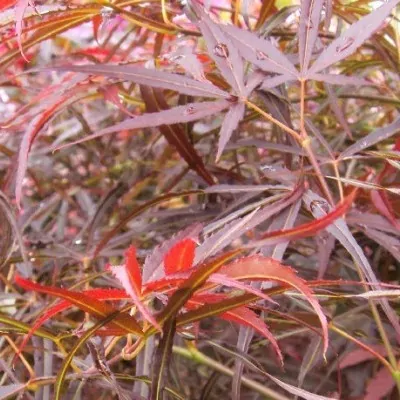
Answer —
180 257
129 275
86 303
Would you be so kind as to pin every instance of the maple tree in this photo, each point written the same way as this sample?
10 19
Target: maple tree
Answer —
247 152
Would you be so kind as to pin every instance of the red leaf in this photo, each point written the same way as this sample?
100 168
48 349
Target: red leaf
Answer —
160 284
103 294
382 204
86 303
122 274
96 21
180 257
265 268
133 269
129 275
311 228
4 4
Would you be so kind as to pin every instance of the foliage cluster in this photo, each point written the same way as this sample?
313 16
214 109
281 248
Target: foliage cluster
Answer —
199 199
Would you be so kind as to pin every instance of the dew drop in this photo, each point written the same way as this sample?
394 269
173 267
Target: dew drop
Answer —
221 50
190 110
348 42
78 241
321 205
261 56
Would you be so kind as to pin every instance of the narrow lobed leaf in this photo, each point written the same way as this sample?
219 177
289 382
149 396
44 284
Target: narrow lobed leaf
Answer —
150 77
231 121
86 303
349 41
310 15
179 114
260 52
222 50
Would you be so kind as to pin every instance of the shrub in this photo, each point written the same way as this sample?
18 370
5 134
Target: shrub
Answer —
200 200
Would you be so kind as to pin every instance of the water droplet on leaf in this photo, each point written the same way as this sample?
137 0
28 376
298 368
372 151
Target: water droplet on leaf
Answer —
221 50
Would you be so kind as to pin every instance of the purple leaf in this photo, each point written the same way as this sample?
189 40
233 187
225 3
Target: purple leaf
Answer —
264 144
353 38
150 77
340 79
339 229
285 220
8 213
310 16
311 358
13 389
230 123
297 391
369 220
337 110
374 137
277 80
325 245
187 113
222 50
260 52
226 188
254 80
185 57
217 241
390 243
